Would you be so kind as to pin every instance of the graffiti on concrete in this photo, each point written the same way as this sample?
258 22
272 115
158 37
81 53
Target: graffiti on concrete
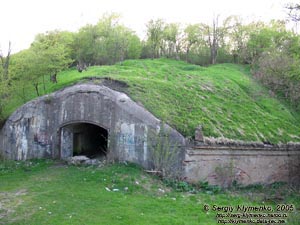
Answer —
42 139
130 139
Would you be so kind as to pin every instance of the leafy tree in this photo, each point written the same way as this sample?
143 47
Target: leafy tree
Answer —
66 39
4 87
280 72
237 35
4 79
50 53
107 42
263 37
146 50
277 60
84 45
191 37
134 50
260 39
155 30
123 44
4 62
26 68
172 40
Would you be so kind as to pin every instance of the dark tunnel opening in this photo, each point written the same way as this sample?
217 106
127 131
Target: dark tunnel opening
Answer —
85 139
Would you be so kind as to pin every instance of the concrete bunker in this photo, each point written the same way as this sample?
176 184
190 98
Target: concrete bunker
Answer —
85 119
72 120
82 138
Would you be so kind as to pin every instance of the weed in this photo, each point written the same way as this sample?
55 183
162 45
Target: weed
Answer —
206 187
10 166
164 154
278 184
179 185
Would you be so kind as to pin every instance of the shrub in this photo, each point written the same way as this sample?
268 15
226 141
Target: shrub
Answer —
164 155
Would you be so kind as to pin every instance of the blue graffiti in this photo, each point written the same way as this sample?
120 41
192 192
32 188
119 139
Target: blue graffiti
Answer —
129 139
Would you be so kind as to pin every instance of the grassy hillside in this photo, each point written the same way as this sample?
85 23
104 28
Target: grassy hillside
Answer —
47 192
223 98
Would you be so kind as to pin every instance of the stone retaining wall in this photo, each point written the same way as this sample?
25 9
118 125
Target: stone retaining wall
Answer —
222 165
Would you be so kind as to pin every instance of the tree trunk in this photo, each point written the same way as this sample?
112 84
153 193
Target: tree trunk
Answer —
187 54
44 85
36 86
213 54
213 37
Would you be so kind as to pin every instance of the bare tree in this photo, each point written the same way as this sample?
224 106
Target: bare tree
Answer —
293 11
214 34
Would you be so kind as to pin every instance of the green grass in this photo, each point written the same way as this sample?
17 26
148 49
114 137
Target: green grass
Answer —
223 98
50 192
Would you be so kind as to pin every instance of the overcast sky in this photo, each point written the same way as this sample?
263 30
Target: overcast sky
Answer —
21 20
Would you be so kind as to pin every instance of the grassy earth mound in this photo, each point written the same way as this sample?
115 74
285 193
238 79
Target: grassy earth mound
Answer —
223 98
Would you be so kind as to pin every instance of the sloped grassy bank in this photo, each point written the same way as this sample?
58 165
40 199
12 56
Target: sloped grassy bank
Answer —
223 98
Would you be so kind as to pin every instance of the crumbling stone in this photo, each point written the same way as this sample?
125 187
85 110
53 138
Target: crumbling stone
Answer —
199 134
84 160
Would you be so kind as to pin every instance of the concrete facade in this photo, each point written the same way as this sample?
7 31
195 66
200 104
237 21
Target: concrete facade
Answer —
46 127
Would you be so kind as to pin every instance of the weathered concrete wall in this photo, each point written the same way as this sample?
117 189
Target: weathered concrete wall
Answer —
222 165
37 129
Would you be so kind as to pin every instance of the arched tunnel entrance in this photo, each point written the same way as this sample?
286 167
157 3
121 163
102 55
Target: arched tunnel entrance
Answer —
83 139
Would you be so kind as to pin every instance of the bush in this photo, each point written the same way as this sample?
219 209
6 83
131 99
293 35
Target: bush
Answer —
164 155
280 73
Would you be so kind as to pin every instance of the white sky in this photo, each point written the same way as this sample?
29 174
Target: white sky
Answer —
21 20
